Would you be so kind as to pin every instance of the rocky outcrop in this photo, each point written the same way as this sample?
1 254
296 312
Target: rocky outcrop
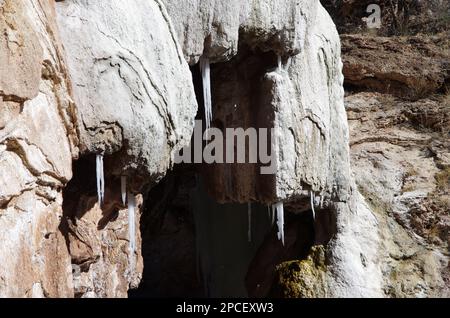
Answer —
412 68
38 141
126 87
132 87
310 131
397 163
215 29
136 106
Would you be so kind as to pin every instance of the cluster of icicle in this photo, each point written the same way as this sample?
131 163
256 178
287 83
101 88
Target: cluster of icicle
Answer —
131 202
205 68
276 213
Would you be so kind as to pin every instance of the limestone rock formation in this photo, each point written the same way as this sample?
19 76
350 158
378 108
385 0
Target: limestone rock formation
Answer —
399 166
214 29
121 79
38 142
310 131
131 85
412 68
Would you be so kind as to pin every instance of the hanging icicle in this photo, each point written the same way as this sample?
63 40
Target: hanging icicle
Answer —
321 201
312 205
205 68
123 189
100 179
280 63
279 209
273 214
131 224
249 212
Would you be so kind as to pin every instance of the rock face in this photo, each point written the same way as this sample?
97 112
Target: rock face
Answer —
38 141
131 84
215 29
412 68
121 79
310 131
136 105
399 166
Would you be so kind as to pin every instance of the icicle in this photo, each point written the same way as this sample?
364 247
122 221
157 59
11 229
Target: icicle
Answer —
321 201
100 179
249 211
280 63
123 188
312 205
268 213
131 224
205 68
279 209
273 214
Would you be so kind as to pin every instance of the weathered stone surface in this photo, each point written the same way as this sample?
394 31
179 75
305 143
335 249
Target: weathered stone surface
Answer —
412 67
397 168
131 85
37 144
303 100
214 29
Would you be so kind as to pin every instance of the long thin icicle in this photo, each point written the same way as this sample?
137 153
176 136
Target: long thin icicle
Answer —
312 205
273 214
280 63
131 224
123 189
249 222
279 208
205 68
100 179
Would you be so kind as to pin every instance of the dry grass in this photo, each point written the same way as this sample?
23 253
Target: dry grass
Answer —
443 180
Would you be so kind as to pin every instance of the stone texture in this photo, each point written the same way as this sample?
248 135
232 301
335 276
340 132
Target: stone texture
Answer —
37 144
215 28
396 166
412 67
311 142
132 87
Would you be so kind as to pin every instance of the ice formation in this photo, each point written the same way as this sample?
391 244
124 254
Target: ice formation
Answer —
100 179
312 205
280 63
123 188
279 209
249 212
273 214
205 67
131 224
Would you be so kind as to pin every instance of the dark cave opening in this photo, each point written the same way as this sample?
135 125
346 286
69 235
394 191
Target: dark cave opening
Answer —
194 233
193 246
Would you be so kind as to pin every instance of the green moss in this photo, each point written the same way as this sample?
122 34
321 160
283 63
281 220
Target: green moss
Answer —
303 279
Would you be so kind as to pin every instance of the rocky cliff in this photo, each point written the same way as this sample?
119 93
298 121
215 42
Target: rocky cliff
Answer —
109 91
